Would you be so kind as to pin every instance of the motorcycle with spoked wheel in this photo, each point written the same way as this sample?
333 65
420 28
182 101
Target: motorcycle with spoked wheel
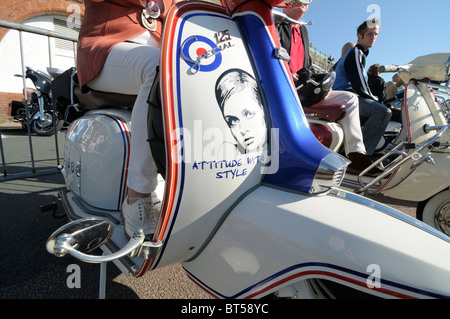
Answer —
267 218
39 113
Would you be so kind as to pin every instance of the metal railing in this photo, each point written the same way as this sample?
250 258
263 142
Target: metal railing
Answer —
33 172
321 62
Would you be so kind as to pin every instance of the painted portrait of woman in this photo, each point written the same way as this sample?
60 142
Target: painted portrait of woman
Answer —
242 108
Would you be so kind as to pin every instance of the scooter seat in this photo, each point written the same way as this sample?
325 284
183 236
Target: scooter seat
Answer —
329 112
93 100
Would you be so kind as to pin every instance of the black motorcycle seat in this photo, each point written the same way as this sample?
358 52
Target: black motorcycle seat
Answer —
93 99
329 112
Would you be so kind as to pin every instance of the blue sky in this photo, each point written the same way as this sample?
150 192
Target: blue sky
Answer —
409 28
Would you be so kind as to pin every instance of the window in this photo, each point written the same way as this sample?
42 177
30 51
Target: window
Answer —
63 47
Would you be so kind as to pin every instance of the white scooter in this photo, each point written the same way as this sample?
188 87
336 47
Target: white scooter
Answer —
248 224
418 156
416 152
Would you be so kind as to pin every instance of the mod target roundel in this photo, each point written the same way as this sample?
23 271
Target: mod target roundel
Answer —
201 54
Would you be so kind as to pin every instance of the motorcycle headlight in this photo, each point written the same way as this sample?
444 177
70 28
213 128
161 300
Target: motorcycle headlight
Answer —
330 173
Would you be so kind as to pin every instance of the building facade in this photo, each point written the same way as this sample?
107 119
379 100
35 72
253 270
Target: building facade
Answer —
38 51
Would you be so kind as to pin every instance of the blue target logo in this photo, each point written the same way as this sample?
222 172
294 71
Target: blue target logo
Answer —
201 54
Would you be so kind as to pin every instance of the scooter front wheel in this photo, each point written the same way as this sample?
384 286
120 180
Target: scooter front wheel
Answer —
436 212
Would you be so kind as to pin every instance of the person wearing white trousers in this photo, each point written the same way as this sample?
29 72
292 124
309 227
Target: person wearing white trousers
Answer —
353 141
354 147
130 68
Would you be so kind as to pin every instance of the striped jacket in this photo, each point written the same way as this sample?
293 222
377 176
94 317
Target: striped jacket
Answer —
350 73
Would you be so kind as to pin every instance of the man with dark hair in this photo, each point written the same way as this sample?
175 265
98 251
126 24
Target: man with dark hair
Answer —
294 38
350 76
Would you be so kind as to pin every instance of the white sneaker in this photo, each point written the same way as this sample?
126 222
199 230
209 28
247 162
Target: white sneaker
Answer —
139 215
156 206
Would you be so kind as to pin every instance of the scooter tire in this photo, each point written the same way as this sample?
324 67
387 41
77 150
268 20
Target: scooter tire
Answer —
435 212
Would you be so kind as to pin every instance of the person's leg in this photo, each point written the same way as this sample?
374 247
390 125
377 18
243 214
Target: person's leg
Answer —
377 117
353 139
130 69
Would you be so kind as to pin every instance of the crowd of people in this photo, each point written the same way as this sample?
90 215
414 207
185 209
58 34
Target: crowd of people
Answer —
120 55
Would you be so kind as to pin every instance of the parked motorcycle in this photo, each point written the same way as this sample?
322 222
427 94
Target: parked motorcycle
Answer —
268 221
39 114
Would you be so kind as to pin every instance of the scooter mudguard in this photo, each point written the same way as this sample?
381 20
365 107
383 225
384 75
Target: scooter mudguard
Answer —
264 246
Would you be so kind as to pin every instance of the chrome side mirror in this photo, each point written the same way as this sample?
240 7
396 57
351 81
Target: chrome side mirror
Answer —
84 235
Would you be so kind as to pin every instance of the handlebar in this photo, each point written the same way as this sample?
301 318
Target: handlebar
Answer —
397 97
389 68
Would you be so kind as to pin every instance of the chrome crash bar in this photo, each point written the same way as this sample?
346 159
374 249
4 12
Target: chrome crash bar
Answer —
402 157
